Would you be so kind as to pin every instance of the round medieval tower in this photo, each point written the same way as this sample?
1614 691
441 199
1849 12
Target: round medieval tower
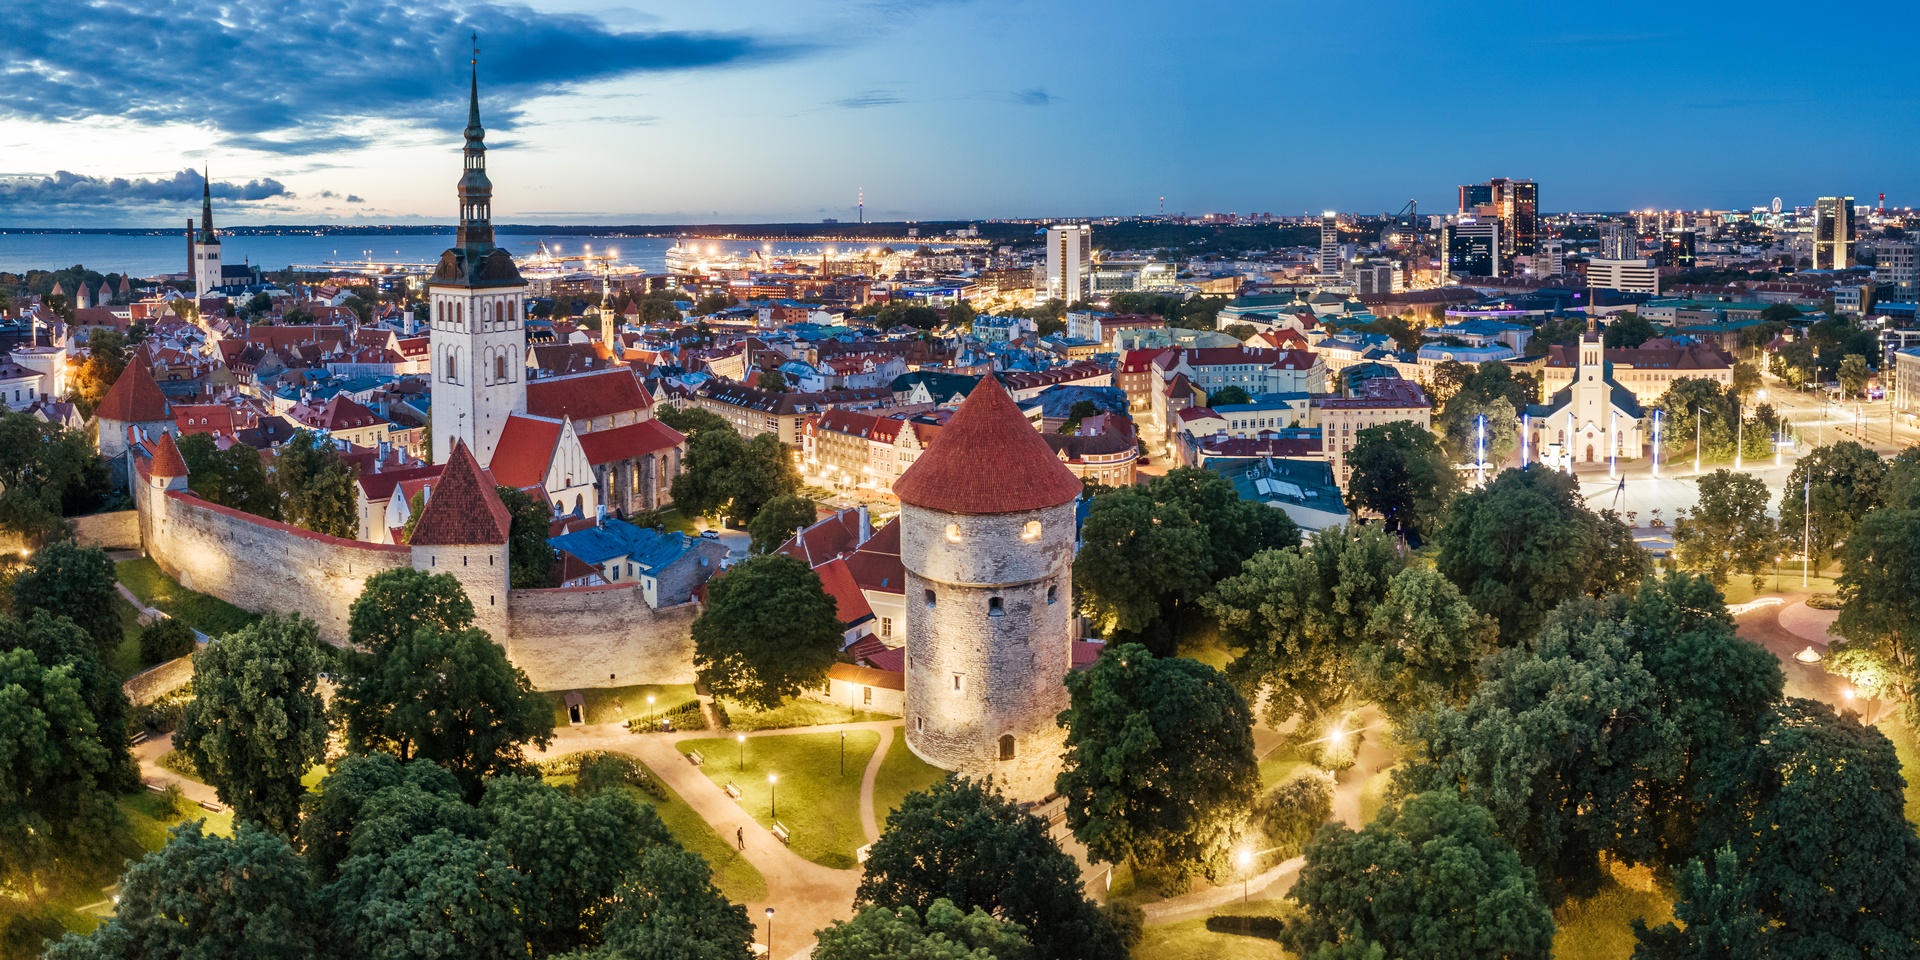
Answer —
987 532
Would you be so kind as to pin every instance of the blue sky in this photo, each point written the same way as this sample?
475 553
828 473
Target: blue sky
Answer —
761 110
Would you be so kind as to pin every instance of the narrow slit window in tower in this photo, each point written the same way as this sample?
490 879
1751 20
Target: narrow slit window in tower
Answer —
994 607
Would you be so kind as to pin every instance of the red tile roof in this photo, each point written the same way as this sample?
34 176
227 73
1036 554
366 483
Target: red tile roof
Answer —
379 487
464 508
587 396
867 676
135 397
876 566
848 601
989 459
524 451
339 413
166 458
628 442
833 537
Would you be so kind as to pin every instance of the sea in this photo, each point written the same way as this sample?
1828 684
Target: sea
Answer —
150 256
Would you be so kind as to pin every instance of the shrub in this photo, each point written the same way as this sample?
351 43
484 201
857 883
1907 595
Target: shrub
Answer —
1290 813
1127 920
1266 928
1824 601
177 762
687 716
1333 757
596 770
165 639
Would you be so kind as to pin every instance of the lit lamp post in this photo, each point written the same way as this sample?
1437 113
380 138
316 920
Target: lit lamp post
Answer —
1696 440
1656 444
1246 871
652 718
843 753
742 738
1613 444
769 933
1526 431
1739 434
1480 449
1806 535
773 796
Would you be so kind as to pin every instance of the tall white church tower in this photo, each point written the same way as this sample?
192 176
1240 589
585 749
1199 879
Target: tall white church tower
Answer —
478 304
204 249
987 530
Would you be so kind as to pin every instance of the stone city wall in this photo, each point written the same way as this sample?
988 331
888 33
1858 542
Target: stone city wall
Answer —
601 636
117 530
262 565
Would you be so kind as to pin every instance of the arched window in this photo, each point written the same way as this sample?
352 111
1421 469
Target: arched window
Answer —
500 368
1031 532
1006 746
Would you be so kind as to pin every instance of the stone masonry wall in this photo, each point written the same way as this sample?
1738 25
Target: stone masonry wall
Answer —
602 636
120 528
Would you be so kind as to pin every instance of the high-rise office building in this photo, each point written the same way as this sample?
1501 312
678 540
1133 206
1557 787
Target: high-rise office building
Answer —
1625 275
1898 263
1677 249
1069 261
1515 203
1619 241
1833 233
1472 247
1329 262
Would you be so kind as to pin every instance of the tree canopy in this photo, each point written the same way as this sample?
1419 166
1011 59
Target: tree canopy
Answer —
961 842
1729 530
56 777
529 558
232 477
316 486
723 472
769 631
68 580
1842 481
945 934
1159 768
776 522
46 472
1400 473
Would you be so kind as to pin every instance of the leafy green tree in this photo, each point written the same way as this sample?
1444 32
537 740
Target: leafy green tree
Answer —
1842 481
961 315
1853 374
1169 794
68 580
1227 396
210 896
257 723
1780 313
106 361
395 603
166 639
769 631
440 895
712 303
1879 589
1401 474
772 381
573 854
1423 641
1900 484
1719 907
1523 543
1694 407
1559 743
905 313
961 842
1460 428
330 815
55 776
721 471
1629 330
946 934
766 470
776 522
529 559
316 487
1746 380
674 910
446 695
56 642
1298 616
1150 554
1431 878
1825 855
1728 531
46 471
692 421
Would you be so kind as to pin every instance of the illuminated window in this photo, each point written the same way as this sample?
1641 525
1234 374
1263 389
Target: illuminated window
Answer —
953 532
1031 532
1006 746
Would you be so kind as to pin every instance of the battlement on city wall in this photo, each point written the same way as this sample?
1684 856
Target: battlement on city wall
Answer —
563 638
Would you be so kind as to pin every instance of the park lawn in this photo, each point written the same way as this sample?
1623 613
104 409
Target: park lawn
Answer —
1191 940
1373 794
1203 643
676 522
1905 747
822 805
793 713
900 773
732 873
208 615
1600 927
125 661
1279 765
614 704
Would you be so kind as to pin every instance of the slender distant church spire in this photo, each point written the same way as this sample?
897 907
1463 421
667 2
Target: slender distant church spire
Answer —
476 191
206 208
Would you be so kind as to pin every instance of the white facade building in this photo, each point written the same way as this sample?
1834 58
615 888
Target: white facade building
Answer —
1069 261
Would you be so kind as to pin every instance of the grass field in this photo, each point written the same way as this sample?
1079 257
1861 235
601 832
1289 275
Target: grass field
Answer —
900 773
197 610
615 704
1279 765
731 872
125 661
1908 751
793 713
814 799
1600 927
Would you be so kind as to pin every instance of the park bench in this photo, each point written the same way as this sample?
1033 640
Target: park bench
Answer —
696 758
732 791
781 833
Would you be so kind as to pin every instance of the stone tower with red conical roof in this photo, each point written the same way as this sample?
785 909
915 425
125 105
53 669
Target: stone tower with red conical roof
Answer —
463 531
987 531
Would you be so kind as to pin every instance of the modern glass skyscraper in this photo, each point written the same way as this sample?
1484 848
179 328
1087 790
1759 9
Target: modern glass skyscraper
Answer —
1515 203
1833 234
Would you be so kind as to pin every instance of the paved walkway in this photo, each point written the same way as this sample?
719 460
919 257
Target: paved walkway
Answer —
148 755
805 895
1767 626
1808 624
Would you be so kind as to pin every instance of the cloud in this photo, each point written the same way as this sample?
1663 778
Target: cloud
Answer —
1034 97
309 76
65 189
871 98
344 198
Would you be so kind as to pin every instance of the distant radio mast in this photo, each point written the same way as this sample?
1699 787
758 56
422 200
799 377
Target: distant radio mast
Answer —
863 204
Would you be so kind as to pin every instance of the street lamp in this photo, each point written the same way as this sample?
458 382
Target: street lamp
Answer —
773 796
1656 444
1246 869
742 738
843 753
652 719
769 933
1696 440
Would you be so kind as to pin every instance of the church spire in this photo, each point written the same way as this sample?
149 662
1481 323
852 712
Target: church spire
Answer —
476 191
206 207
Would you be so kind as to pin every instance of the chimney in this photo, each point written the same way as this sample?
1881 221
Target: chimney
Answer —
866 526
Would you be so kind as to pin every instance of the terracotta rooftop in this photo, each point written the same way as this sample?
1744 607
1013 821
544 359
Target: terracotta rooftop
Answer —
628 442
989 459
525 450
166 458
587 396
464 508
135 397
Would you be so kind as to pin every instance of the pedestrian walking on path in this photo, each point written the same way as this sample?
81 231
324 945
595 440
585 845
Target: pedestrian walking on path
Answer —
740 836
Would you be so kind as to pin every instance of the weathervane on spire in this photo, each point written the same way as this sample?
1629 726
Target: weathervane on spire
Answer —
476 49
